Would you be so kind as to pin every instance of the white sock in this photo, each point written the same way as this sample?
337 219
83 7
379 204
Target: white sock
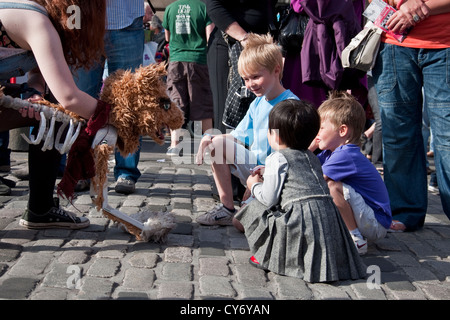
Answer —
356 234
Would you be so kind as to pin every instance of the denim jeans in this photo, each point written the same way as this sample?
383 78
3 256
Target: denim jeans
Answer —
426 131
17 65
377 144
399 74
124 50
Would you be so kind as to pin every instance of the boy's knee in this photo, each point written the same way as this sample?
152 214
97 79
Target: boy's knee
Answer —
222 150
238 225
336 188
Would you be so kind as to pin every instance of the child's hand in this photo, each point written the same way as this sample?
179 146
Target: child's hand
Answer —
258 170
206 142
314 145
252 179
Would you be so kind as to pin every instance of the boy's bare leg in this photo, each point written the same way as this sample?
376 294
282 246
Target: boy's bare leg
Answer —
222 155
222 177
337 192
346 211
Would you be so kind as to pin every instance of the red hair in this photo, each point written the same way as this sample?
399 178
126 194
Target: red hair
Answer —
84 45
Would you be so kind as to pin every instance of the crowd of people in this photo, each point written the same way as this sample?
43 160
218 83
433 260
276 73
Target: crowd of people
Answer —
310 199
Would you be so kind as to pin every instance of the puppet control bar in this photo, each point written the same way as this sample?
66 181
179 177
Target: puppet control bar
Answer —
49 116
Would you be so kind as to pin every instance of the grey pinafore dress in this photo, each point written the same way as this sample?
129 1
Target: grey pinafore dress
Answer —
304 236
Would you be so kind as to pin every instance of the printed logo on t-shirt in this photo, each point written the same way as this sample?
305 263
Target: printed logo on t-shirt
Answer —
182 22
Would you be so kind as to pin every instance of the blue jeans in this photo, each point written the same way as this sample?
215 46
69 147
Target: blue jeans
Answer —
426 131
400 74
17 65
124 50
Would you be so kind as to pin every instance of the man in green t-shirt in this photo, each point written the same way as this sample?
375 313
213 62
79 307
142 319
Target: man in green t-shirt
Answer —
187 28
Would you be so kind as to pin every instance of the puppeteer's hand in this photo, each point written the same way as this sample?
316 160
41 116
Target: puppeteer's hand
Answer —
205 143
30 112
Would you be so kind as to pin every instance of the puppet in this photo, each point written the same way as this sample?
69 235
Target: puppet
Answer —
135 104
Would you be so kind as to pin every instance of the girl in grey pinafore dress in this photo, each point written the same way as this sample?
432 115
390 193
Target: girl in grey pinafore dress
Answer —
304 236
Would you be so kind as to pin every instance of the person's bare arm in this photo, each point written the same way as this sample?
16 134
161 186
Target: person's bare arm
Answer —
209 28
35 32
422 9
167 35
236 31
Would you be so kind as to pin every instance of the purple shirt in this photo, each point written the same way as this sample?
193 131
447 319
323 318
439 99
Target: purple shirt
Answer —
348 165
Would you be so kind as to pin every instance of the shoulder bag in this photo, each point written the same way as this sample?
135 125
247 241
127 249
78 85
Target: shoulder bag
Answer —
362 50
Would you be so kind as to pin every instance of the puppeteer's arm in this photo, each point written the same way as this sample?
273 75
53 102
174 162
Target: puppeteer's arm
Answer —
37 33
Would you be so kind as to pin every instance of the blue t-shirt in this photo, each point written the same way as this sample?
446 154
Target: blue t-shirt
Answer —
348 165
252 130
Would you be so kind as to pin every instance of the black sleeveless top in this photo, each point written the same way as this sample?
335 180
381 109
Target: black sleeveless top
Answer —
5 40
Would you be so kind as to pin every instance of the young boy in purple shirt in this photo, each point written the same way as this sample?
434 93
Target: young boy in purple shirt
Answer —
355 185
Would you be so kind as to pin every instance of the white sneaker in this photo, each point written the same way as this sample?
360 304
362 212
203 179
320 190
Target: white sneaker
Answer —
174 152
433 189
218 216
360 244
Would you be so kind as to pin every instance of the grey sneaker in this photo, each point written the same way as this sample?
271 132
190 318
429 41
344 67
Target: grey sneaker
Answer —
218 216
174 152
125 185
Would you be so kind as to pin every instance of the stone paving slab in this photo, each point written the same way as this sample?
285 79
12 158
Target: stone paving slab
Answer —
197 263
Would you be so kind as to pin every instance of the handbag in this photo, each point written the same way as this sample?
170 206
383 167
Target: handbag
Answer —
362 50
239 97
292 30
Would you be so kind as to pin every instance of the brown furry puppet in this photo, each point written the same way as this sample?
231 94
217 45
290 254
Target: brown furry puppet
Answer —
131 105
141 107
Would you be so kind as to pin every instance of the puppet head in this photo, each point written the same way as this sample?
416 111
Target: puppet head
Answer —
141 106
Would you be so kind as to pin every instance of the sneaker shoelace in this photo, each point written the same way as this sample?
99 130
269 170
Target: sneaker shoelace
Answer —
219 208
64 213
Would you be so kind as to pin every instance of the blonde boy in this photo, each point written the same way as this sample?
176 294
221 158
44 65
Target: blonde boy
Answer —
355 185
261 67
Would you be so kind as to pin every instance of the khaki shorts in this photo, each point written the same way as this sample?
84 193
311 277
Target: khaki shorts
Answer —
188 86
365 219
244 162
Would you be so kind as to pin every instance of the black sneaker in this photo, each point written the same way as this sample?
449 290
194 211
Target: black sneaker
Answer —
55 218
4 189
8 182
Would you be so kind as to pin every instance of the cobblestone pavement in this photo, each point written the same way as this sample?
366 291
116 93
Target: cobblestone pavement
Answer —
197 262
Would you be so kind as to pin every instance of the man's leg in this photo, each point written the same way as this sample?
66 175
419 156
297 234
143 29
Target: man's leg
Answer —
124 50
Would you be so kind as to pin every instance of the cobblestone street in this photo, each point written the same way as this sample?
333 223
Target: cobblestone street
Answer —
197 262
